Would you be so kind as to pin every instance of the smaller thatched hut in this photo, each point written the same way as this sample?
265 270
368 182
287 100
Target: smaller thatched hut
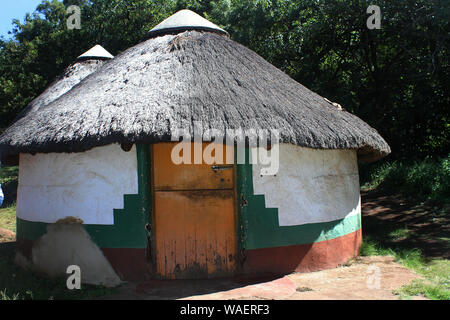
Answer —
98 186
84 65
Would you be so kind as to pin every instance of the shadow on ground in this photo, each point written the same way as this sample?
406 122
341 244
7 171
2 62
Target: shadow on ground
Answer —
7 249
392 220
395 221
148 290
178 289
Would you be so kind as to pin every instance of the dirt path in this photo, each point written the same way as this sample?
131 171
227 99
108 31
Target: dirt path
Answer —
371 278
427 229
366 278
7 235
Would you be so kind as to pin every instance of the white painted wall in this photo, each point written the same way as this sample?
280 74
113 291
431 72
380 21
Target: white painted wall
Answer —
311 186
87 185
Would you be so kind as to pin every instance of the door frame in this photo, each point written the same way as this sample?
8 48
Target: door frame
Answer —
151 219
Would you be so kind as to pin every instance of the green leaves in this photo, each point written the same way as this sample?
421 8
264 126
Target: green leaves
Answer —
397 78
43 46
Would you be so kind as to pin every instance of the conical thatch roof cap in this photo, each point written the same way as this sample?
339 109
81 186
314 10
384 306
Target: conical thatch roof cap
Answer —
96 52
175 80
184 20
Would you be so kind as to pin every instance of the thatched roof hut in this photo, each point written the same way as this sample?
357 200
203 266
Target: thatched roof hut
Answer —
188 71
85 64
171 81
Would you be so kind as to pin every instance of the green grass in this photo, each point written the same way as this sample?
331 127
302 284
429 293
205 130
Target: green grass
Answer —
427 179
19 284
436 285
8 218
436 272
9 181
399 233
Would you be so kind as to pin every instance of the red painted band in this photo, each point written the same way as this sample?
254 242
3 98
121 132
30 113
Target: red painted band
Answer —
129 263
304 258
132 264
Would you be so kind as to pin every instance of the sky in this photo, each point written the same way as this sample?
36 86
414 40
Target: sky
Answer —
14 9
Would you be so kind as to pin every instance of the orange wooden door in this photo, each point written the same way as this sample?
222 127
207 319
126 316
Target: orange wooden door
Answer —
194 217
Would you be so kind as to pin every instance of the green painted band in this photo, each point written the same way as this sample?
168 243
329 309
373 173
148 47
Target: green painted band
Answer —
259 226
128 230
104 236
303 234
30 230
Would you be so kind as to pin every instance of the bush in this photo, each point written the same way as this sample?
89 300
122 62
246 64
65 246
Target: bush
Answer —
428 179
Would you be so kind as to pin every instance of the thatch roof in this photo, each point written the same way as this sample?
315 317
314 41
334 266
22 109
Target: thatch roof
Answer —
85 64
173 80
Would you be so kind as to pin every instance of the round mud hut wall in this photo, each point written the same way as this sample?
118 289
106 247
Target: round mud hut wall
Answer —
304 218
98 186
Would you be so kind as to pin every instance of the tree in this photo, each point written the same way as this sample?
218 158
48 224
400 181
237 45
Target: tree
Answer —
395 78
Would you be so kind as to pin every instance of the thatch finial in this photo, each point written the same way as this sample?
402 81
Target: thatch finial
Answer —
96 52
185 20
